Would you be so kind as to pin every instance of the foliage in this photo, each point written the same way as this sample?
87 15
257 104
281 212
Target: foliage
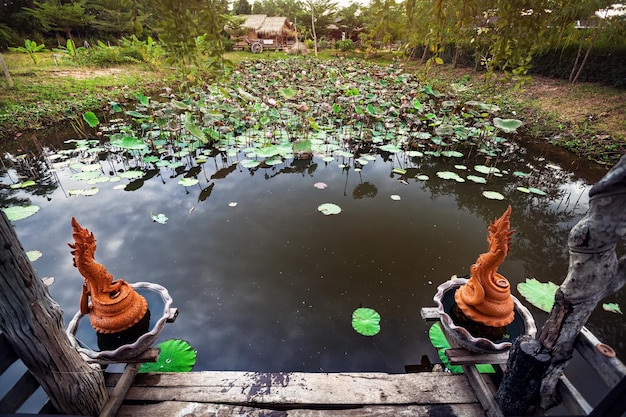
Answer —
191 31
70 51
30 48
345 45
175 356
539 294
366 321
440 343
63 17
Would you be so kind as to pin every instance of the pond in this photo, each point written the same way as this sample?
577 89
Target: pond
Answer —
218 202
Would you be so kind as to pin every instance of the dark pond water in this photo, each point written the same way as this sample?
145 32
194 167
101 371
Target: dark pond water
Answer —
270 284
264 281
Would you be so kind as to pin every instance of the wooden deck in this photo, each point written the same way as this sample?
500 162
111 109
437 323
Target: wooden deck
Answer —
203 394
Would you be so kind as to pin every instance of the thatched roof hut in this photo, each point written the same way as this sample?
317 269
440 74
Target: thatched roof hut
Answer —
264 26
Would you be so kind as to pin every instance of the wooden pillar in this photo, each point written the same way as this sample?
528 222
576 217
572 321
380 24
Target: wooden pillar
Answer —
6 72
32 322
594 273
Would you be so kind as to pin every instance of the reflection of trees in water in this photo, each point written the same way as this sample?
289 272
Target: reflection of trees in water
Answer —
364 189
24 168
542 222
297 166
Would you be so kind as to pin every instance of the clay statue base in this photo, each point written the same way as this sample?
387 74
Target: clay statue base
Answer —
112 341
495 334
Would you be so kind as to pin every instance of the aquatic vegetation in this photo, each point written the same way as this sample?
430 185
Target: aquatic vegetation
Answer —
366 321
176 356
267 113
439 342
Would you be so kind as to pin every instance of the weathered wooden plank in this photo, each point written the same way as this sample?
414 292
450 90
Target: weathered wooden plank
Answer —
302 388
461 356
484 391
573 400
175 408
610 368
119 392
19 393
150 355
429 313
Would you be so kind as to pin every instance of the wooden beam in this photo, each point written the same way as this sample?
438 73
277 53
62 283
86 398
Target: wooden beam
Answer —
461 356
606 364
302 389
19 393
180 408
119 392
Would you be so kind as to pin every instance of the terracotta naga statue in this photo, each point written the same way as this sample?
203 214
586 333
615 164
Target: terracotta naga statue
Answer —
486 297
115 306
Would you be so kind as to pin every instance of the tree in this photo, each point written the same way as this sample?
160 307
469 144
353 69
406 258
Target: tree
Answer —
350 19
385 23
321 12
6 72
189 31
56 16
114 17
242 7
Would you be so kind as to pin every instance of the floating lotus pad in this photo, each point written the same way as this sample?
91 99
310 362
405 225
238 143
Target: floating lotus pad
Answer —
329 209
366 321
539 294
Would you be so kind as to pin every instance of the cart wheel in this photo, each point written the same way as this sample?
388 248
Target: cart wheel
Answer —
256 47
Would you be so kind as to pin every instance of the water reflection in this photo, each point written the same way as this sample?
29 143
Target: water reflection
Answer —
270 284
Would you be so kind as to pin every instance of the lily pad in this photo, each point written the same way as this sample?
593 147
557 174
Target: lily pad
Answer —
320 185
176 356
485 169
449 175
329 209
15 213
33 255
366 321
493 195
612 308
440 343
536 191
539 294
390 148
523 190
159 218
188 182
91 119
84 191
507 125
396 197
477 179
452 154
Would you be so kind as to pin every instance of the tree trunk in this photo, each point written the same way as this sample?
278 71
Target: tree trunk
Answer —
582 64
313 29
32 322
571 74
6 72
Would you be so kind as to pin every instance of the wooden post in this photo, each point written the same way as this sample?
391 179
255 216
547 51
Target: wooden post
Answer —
32 322
594 272
6 72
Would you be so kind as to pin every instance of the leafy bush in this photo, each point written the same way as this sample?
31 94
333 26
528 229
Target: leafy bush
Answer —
30 48
345 46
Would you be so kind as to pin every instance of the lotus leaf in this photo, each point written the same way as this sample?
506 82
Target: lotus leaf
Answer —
15 213
440 343
175 356
188 182
539 294
449 175
84 191
85 176
507 125
476 179
33 255
91 119
329 209
493 195
536 191
390 148
612 308
523 189
159 218
133 174
366 321
485 169
452 154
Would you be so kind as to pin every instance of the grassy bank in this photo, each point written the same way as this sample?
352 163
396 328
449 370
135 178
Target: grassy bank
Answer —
586 119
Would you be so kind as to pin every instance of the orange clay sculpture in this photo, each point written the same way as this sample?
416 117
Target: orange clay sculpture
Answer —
115 306
486 297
